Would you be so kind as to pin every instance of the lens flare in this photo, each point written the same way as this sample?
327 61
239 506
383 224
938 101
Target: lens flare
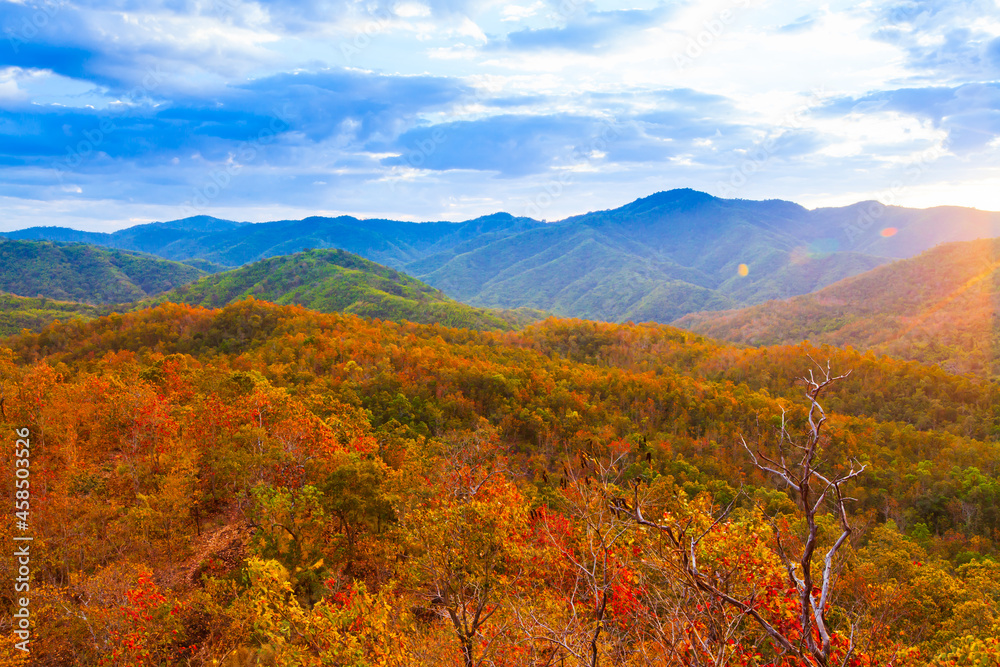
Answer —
889 231
743 270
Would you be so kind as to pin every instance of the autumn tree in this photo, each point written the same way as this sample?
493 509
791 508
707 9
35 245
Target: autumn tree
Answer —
794 462
467 543
585 615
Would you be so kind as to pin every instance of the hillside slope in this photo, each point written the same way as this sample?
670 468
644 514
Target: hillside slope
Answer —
938 307
656 258
332 281
19 312
87 274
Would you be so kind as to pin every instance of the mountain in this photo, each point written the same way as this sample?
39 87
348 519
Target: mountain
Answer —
150 237
893 231
232 244
87 274
654 259
938 307
19 312
657 258
332 281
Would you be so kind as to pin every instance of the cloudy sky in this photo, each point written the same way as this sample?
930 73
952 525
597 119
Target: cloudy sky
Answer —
118 112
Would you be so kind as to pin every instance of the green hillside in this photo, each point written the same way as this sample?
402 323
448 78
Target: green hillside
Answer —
332 281
939 307
34 313
85 273
656 258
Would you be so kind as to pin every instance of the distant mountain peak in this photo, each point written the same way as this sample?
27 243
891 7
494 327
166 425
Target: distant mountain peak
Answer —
680 199
499 218
679 195
200 223
499 215
851 207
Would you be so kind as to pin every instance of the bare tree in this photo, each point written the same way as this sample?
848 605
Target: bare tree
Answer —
795 464
812 489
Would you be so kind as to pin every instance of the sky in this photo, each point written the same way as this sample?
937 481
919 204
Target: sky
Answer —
122 112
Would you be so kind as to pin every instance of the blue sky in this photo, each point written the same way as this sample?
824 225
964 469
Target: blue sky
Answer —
120 112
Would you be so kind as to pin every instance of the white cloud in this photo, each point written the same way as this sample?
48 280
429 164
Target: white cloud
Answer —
890 137
521 12
9 89
754 70
412 10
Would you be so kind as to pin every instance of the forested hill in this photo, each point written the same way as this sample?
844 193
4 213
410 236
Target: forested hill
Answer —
657 258
264 484
652 260
233 244
938 307
334 281
21 312
322 280
84 273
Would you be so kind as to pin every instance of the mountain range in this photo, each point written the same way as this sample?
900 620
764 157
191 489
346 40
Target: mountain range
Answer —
657 258
939 307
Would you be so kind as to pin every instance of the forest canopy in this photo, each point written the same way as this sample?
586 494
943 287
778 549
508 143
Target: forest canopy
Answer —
263 484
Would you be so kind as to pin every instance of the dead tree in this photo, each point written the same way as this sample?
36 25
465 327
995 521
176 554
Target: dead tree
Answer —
795 464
